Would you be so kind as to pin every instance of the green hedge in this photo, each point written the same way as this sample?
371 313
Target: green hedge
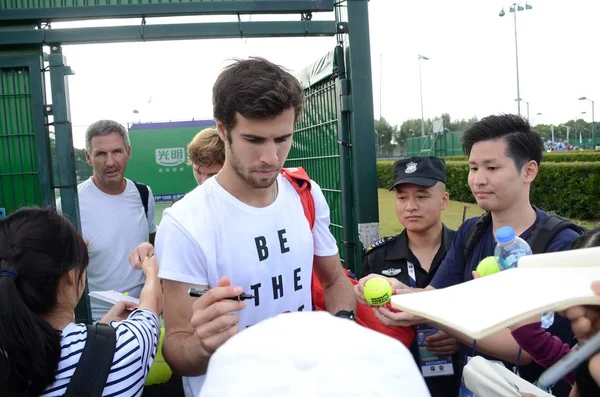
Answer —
569 157
552 157
570 189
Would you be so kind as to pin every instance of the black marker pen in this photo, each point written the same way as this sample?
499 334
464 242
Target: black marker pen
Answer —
197 292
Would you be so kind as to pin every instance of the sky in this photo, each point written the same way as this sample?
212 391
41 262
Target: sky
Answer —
471 69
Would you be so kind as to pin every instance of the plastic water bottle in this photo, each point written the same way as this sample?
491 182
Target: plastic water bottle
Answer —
509 250
547 319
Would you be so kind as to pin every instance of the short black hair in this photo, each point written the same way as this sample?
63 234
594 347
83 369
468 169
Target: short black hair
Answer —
524 144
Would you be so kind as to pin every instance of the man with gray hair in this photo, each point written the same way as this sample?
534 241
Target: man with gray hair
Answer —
114 217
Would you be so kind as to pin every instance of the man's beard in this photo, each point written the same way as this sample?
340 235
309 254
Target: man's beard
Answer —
246 176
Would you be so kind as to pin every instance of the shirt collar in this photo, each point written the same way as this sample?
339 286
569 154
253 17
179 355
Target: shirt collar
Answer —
400 249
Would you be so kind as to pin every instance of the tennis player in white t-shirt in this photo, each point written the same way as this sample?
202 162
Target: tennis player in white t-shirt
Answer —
245 229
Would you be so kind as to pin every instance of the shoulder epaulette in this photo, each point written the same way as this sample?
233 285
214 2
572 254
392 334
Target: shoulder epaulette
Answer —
380 243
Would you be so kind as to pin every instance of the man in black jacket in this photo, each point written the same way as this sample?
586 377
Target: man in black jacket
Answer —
413 256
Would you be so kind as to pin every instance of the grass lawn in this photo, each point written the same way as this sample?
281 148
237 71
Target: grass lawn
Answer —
388 222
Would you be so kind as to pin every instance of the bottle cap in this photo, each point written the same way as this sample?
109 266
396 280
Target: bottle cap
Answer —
505 234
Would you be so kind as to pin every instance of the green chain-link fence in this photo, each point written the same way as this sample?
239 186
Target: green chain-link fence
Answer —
24 150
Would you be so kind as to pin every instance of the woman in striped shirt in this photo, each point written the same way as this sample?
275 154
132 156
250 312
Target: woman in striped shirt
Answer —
42 277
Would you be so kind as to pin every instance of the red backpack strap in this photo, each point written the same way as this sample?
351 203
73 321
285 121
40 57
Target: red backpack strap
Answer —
301 182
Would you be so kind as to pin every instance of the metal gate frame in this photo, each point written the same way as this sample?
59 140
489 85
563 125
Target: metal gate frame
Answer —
355 99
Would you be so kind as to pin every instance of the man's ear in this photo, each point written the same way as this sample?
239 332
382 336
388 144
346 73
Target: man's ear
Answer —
445 200
222 130
530 171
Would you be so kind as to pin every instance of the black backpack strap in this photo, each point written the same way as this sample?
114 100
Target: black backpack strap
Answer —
144 194
547 229
475 233
94 365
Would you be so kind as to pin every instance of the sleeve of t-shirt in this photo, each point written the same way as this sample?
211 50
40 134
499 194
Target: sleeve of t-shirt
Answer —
545 348
180 257
151 224
324 242
452 268
137 343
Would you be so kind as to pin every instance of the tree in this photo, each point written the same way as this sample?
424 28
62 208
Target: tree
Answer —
412 128
576 127
82 169
386 138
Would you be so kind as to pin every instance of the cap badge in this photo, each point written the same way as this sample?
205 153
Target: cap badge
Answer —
411 167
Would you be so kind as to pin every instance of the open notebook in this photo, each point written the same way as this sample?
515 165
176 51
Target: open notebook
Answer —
481 307
113 297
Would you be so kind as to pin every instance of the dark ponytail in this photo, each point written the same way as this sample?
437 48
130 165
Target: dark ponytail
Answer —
37 247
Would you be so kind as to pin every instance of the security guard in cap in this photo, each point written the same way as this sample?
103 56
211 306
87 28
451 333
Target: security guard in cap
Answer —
413 256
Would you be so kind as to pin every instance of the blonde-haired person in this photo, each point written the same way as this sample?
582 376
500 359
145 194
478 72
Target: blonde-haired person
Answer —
206 154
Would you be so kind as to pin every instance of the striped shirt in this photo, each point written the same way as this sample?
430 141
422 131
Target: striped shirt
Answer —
137 341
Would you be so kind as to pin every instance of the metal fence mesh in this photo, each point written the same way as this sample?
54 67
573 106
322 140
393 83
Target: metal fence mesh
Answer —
19 178
316 148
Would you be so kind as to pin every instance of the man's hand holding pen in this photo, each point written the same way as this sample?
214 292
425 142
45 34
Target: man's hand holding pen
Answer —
214 317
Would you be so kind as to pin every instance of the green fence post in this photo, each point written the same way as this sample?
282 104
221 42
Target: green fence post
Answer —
346 180
65 155
362 128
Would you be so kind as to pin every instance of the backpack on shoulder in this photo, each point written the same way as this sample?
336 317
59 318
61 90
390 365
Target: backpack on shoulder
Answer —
144 195
544 232
364 314
94 365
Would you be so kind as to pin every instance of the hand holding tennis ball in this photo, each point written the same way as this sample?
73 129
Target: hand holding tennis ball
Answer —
377 291
488 266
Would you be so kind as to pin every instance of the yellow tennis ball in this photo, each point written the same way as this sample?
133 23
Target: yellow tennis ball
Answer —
160 372
377 291
488 266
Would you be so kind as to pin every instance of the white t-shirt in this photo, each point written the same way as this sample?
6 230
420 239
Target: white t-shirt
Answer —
267 251
114 225
137 341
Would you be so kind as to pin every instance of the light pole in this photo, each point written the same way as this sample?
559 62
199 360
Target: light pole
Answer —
521 99
568 131
514 8
421 57
379 150
380 85
593 130
581 133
